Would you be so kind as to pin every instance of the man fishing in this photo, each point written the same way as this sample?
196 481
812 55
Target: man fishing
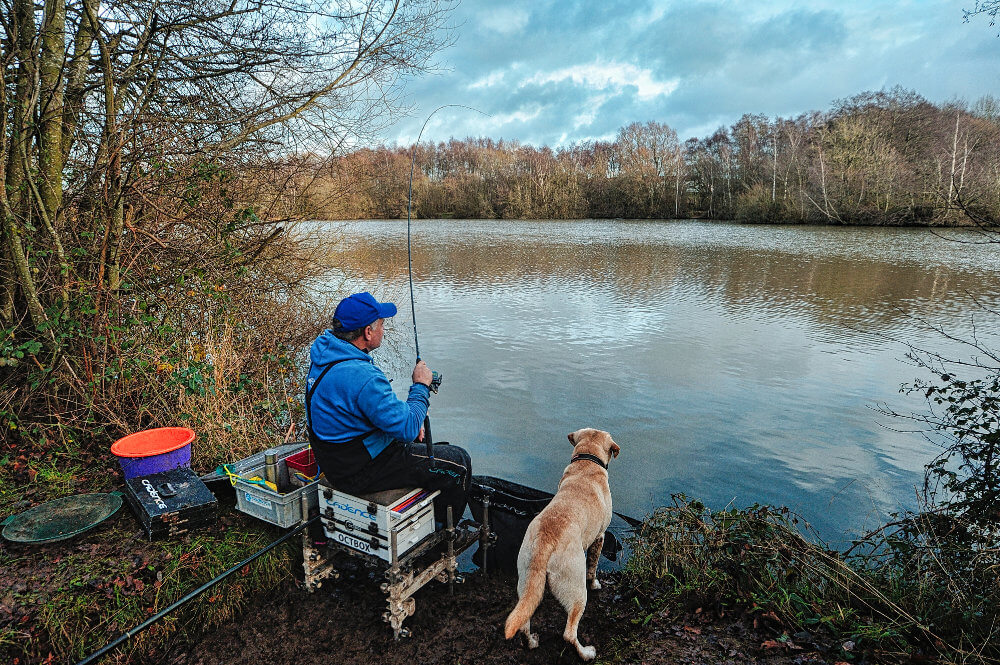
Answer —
364 437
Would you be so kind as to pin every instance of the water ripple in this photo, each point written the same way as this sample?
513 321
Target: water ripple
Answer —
731 362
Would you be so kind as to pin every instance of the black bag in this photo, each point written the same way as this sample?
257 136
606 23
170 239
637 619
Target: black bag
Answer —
512 507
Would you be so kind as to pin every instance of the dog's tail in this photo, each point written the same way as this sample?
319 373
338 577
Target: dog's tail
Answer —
534 589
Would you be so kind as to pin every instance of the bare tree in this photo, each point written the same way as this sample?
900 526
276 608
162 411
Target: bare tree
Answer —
94 95
988 8
649 154
117 119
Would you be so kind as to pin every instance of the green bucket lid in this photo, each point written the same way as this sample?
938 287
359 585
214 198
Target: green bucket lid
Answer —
61 518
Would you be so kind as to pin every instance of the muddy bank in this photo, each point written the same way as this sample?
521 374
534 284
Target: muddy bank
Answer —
342 623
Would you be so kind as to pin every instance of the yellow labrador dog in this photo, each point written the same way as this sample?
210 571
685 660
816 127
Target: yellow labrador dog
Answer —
564 541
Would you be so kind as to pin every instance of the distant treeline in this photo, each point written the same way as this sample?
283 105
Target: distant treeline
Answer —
888 157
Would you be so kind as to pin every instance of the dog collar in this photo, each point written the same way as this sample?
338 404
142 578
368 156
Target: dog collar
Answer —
590 458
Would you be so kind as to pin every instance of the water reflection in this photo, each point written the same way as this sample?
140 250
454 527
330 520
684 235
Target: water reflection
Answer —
732 363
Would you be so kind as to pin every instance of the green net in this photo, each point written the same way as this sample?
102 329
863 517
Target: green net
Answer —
61 518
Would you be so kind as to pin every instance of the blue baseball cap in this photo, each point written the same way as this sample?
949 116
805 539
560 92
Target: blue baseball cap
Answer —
361 309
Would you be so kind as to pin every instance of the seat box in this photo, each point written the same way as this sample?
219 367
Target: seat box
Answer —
366 523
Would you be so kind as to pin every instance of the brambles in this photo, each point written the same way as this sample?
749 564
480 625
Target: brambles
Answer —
151 269
915 589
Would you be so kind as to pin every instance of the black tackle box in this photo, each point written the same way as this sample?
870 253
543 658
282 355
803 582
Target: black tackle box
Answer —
170 503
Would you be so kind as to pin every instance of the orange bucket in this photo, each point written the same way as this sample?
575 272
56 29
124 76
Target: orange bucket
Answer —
154 450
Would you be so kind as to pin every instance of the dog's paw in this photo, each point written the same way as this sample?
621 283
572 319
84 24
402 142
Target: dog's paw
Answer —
533 641
594 584
587 653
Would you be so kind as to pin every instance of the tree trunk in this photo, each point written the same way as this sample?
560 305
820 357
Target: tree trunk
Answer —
112 150
50 144
8 284
954 156
774 168
14 197
24 90
76 76
15 248
677 188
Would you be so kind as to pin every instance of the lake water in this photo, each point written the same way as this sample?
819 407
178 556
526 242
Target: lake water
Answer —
735 364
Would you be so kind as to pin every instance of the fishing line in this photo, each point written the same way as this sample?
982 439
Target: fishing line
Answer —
409 208
428 439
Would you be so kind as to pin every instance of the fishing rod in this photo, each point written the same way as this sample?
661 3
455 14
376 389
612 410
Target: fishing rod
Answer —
127 635
435 376
436 380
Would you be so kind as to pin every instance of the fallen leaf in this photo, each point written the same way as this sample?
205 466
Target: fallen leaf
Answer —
693 629
770 644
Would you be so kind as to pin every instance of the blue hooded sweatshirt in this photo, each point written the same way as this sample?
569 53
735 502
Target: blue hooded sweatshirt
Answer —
355 399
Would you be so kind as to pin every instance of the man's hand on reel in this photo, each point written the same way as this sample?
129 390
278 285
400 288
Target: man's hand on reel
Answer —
423 374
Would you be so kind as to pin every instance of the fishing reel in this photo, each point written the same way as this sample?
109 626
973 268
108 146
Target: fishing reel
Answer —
436 378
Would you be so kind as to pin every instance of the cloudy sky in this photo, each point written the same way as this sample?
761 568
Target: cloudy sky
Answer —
553 72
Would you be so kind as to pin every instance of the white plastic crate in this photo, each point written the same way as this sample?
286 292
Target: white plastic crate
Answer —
366 523
282 510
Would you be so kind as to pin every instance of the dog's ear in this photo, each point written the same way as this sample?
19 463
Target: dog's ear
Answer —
572 441
614 449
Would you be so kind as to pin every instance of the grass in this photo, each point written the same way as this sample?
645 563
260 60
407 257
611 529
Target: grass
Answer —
77 598
70 598
885 604
919 596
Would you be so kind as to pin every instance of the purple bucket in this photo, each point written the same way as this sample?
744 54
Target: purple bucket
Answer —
154 450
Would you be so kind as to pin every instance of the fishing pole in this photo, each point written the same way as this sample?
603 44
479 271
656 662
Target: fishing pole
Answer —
436 377
100 653
409 210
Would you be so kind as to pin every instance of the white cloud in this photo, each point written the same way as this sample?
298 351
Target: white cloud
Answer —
587 117
521 116
600 76
488 81
506 20
591 68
